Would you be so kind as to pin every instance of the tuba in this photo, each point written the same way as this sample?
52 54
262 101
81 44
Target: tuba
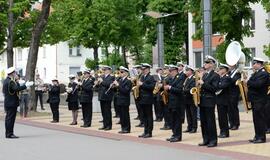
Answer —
196 91
234 56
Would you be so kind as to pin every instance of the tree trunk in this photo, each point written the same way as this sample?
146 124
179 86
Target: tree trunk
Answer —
10 52
125 56
187 49
95 53
33 49
106 51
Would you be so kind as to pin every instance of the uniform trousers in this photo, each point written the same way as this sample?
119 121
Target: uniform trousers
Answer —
87 113
106 113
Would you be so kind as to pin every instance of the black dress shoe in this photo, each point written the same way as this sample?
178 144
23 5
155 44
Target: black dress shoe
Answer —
186 131
259 141
54 121
267 131
12 136
212 145
252 140
193 131
142 135
123 132
165 128
234 128
203 144
85 126
42 108
73 123
148 135
118 122
223 136
100 121
107 128
102 128
140 125
169 139
175 140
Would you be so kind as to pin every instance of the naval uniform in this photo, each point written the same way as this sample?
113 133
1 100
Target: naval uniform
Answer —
207 108
223 104
105 99
257 95
11 102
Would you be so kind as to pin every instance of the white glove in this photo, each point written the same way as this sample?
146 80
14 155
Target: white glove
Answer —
29 83
69 90
21 82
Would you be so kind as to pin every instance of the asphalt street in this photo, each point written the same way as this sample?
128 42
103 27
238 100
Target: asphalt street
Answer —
43 144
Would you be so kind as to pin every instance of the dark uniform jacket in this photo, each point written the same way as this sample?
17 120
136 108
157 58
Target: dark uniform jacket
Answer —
234 89
86 88
189 83
257 86
208 89
73 96
11 90
103 87
54 94
224 84
123 92
146 89
175 92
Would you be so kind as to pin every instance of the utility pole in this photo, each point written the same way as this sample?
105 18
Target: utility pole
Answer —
207 28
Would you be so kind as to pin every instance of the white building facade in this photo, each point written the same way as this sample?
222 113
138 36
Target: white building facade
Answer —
54 61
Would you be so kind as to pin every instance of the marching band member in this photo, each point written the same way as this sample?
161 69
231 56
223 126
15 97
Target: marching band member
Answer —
191 109
146 99
209 83
167 115
222 100
157 98
182 76
124 87
257 95
86 96
175 98
234 93
72 99
54 99
11 100
105 96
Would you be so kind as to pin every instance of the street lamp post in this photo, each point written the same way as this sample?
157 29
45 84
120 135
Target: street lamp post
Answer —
207 28
160 34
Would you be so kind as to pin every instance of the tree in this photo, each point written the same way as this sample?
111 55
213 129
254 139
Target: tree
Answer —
3 24
227 18
175 28
37 31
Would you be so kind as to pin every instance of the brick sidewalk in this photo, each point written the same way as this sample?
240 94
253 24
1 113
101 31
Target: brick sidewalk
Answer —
235 147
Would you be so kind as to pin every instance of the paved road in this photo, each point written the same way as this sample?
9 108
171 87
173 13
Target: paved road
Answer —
43 144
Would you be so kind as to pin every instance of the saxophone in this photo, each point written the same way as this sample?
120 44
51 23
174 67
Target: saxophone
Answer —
157 88
135 89
164 94
196 91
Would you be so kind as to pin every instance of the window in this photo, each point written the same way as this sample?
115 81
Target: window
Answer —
74 70
44 72
198 59
251 21
252 54
79 51
44 52
70 51
19 54
75 52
